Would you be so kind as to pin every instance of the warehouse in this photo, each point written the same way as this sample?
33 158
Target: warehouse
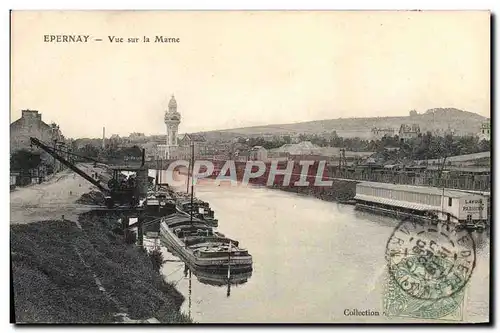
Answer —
422 201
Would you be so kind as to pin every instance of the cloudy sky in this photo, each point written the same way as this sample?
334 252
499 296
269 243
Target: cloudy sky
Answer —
235 69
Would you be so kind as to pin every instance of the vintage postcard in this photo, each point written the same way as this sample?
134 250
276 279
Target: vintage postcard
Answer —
192 167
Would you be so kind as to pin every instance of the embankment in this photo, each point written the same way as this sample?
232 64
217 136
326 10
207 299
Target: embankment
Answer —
64 273
341 190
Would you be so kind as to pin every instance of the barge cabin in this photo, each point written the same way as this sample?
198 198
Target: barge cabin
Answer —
422 202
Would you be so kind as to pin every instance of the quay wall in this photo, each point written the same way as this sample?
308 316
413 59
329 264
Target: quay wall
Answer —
453 180
341 190
343 187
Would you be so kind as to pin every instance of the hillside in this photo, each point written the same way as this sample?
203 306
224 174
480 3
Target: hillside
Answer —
462 122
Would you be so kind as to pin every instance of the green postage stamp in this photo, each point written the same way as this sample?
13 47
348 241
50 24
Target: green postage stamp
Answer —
429 265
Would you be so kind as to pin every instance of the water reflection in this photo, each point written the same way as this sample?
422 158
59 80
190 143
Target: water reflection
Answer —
220 279
217 279
213 279
312 260
210 278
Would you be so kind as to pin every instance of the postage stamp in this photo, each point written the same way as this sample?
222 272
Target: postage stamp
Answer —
429 265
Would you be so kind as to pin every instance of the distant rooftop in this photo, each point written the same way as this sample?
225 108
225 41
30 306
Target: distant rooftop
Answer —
462 158
417 189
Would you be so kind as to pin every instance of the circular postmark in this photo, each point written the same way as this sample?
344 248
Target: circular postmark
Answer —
430 260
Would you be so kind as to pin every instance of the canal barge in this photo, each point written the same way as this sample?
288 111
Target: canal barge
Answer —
199 246
159 203
421 202
200 209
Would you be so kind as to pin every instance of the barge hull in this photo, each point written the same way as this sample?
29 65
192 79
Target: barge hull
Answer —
210 264
401 215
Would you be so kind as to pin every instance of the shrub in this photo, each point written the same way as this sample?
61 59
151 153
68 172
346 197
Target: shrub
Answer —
156 258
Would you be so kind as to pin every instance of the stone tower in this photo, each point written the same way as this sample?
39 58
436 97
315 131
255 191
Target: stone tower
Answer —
172 120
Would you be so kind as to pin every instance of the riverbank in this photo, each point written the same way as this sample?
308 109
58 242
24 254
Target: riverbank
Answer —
66 274
72 265
342 190
51 199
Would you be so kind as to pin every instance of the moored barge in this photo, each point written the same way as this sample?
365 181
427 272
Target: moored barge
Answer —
421 202
197 244
200 210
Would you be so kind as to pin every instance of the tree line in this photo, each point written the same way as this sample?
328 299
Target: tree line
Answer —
425 146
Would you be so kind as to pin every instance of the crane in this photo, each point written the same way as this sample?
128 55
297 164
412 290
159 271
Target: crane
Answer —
117 190
53 152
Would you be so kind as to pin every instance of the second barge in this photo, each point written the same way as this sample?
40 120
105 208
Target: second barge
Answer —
423 202
197 244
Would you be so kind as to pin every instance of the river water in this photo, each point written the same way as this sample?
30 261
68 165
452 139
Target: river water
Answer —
312 260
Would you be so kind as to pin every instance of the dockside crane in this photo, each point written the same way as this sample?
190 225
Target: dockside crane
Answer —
116 192
54 153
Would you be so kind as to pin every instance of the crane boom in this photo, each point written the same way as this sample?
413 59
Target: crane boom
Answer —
70 165
77 155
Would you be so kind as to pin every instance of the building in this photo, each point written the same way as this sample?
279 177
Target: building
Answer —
202 148
408 132
485 133
241 155
136 135
31 125
172 120
483 158
447 205
13 180
379 133
161 151
258 153
302 148
136 138
151 150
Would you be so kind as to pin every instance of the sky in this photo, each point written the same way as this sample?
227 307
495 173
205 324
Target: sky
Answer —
237 69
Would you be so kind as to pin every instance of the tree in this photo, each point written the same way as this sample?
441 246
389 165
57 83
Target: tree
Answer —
90 150
24 160
421 152
303 137
484 145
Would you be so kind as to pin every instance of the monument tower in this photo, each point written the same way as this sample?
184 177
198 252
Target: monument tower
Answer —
172 120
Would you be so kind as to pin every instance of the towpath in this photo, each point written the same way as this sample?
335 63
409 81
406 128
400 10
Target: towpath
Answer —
51 199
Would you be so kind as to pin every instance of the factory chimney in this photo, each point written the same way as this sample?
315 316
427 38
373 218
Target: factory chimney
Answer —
104 138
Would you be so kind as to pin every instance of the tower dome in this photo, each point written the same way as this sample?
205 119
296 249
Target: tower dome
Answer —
172 120
172 105
171 114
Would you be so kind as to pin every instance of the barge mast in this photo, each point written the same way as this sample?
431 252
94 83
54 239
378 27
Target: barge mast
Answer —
192 181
